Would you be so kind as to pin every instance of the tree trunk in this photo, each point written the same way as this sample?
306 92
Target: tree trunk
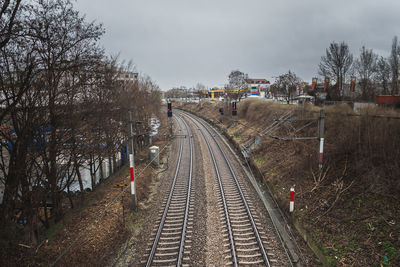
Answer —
69 197
115 162
17 169
52 172
92 168
110 171
57 208
10 194
46 222
101 169
385 87
34 232
78 174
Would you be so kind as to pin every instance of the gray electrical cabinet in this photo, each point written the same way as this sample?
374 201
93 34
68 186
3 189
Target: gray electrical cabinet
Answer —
154 155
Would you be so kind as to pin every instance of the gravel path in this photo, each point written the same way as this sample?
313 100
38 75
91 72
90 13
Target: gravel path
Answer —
213 253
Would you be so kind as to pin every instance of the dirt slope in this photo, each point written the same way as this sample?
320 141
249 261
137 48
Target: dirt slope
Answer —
350 207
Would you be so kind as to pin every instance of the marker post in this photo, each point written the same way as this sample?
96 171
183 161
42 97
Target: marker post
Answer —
321 125
132 166
291 207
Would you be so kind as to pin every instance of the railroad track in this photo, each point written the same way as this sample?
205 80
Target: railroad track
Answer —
172 233
244 243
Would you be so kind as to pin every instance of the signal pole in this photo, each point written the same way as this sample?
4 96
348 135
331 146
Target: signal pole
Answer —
132 165
321 125
169 115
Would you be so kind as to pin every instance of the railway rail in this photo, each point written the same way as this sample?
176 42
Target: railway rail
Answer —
245 239
245 243
171 245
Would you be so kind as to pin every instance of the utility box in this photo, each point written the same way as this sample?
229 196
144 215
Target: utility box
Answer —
154 155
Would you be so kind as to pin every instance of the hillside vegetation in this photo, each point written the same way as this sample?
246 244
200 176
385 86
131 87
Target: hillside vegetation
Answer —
349 207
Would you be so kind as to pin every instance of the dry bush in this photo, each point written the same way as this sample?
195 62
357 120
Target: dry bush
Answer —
339 109
256 110
368 142
243 107
359 180
366 145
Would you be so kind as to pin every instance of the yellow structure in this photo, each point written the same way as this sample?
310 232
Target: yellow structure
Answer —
216 93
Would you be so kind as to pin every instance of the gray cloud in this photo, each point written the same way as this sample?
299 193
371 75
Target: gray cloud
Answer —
182 42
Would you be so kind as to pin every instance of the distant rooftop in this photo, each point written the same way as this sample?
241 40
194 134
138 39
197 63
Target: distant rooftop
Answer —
257 81
128 76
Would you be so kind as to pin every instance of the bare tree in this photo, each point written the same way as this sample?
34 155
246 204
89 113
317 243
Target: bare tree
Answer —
200 86
64 41
383 74
237 80
394 64
10 25
176 92
66 106
366 66
287 84
20 139
8 14
336 64
237 85
200 90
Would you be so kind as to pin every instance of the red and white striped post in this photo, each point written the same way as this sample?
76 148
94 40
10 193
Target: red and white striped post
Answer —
132 169
291 207
132 166
321 137
321 152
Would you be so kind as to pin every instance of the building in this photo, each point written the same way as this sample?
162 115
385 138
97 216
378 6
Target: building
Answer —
256 86
128 76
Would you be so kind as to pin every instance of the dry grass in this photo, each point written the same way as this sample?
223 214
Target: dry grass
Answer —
367 141
350 205
360 186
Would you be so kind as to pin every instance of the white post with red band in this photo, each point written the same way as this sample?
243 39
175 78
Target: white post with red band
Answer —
321 151
132 167
291 208
132 163
321 126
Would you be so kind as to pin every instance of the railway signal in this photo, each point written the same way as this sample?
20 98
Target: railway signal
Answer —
169 112
234 110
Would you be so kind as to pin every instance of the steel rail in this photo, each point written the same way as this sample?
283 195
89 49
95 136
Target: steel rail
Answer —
227 218
185 219
255 230
161 225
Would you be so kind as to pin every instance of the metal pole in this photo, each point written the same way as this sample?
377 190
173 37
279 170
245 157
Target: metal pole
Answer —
132 165
321 125
341 86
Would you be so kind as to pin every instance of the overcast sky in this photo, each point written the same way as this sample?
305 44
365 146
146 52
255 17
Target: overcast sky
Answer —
183 42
